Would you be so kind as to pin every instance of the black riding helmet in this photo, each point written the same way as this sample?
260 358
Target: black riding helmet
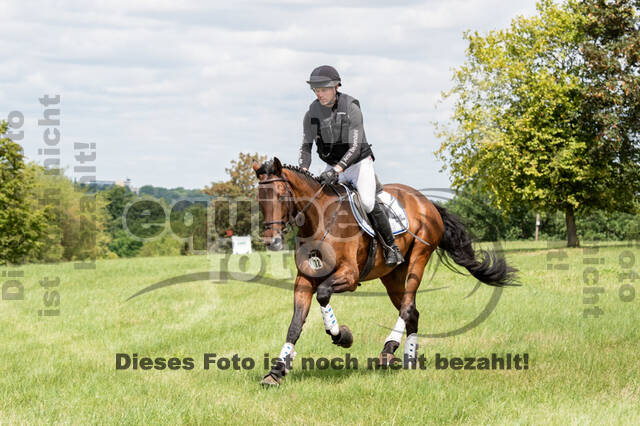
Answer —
324 76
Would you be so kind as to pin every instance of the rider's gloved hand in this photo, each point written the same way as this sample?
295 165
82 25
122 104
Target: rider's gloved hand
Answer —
329 177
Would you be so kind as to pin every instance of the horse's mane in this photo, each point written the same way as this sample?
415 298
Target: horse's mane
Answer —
268 168
301 171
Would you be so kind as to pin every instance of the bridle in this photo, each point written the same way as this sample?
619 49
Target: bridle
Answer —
299 217
289 215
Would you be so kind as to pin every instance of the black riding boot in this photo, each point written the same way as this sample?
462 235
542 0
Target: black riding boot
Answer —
380 223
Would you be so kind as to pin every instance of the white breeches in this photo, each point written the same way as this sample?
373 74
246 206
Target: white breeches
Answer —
362 176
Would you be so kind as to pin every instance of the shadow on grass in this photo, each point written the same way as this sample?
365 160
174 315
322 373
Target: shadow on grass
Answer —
226 277
298 375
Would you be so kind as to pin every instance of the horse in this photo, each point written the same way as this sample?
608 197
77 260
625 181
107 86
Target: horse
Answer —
332 252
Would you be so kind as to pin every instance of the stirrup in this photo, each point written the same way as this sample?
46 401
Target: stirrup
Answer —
392 254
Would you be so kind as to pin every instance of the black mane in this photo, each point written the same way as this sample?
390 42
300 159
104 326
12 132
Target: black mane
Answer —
268 169
301 171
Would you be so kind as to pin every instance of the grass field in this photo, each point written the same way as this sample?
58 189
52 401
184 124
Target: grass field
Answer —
581 370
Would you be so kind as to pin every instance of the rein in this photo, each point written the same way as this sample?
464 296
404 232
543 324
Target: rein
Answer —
299 218
341 198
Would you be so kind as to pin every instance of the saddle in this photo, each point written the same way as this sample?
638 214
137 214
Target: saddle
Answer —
397 216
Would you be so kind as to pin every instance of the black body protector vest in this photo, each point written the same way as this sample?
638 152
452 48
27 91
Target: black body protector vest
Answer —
332 131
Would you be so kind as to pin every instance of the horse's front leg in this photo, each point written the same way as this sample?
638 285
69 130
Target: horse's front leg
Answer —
342 280
302 294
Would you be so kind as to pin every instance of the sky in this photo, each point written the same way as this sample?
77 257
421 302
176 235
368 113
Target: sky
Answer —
170 92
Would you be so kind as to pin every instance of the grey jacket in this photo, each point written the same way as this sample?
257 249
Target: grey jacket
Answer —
338 132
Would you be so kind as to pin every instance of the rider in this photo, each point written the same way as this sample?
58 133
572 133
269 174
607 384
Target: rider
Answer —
334 122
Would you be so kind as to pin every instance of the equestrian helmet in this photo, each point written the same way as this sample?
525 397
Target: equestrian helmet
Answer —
324 76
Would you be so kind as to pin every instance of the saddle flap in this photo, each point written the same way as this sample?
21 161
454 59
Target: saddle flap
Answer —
397 216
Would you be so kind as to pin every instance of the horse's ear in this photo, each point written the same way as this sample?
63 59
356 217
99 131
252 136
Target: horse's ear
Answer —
277 167
258 168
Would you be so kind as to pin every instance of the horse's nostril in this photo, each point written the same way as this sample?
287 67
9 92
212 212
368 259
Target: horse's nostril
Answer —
276 243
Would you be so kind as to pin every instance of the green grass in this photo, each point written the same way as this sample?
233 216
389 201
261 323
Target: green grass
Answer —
62 369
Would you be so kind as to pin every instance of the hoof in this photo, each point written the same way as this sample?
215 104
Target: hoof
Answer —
346 338
385 359
269 381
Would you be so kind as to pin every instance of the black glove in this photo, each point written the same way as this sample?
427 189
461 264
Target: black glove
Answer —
329 177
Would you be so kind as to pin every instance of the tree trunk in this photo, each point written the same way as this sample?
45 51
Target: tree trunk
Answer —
572 234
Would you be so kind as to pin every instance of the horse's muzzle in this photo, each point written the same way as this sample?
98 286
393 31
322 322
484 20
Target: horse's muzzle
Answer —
275 243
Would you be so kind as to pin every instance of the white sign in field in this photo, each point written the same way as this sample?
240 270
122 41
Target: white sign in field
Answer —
241 245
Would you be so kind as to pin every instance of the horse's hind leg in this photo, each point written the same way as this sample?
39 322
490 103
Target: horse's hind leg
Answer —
408 311
403 295
394 282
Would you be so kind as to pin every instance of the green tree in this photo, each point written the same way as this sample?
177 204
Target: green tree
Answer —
238 193
75 219
147 226
21 224
170 195
122 242
189 221
610 49
167 245
518 129
488 223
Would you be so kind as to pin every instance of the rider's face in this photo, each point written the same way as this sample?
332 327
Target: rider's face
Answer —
326 95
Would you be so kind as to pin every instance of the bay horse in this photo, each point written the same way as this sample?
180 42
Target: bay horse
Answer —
331 253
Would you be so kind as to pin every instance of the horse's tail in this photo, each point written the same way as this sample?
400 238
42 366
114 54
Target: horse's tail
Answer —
492 269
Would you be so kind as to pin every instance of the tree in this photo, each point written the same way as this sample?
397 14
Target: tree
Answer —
487 223
519 128
75 219
241 189
21 224
242 175
122 243
611 74
169 195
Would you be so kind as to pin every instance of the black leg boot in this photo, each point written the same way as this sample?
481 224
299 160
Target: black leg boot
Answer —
380 224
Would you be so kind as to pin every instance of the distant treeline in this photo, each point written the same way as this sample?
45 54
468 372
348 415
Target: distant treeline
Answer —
46 217
77 222
165 222
156 221
488 223
173 194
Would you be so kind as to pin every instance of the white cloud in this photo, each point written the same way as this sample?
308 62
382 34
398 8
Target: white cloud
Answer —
172 91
